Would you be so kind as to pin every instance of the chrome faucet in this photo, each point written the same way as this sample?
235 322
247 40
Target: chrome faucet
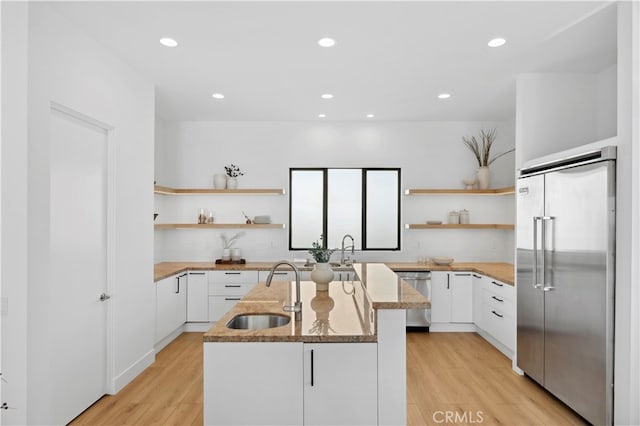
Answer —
297 306
353 247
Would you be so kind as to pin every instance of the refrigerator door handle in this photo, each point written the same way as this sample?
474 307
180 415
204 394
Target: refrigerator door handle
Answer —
536 284
546 286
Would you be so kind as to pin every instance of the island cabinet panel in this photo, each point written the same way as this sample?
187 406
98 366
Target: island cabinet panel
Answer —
197 297
340 384
171 305
249 383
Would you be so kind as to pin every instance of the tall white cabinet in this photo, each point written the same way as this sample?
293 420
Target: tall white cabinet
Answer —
171 305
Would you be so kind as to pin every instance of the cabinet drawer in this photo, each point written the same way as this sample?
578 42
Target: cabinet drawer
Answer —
500 325
233 277
220 305
502 290
500 303
230 289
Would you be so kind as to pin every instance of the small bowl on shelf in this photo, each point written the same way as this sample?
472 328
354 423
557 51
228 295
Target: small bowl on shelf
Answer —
469 183
444 261
434 222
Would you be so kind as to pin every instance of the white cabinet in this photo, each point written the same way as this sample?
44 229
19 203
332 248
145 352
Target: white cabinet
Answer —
451 299
340 384
197 296
498 312
477 284
282 384
171 305
253 383
226 288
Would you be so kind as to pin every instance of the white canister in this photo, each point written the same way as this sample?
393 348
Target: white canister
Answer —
464 216
226 254
236 254
454 218
220 181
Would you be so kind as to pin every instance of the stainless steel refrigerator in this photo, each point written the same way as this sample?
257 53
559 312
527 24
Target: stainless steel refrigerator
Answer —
565 279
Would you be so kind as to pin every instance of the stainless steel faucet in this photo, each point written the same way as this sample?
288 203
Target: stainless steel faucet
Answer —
297 306
353 248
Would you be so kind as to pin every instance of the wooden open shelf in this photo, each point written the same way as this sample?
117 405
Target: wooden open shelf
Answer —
217 226
492 191
461 226
205 191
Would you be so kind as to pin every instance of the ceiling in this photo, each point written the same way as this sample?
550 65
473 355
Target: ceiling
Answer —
391 58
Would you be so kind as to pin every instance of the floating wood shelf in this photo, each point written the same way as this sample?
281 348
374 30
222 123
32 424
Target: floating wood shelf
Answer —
217 226
461 226
493 191
204 191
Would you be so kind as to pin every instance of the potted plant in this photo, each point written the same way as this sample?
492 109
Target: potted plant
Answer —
233 172
322 274
481 148
227 244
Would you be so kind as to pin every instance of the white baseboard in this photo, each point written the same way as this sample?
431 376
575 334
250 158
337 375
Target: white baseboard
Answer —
499 346
199 327
164 342
132 372
449 327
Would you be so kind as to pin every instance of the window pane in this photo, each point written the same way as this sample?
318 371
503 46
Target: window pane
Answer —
344 202
382 209
306 207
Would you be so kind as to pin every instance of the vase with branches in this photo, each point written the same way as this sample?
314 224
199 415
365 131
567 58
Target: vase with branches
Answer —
480 146
322 274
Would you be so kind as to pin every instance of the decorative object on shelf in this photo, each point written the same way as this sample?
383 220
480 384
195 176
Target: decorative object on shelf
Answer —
439 260
464 217
322 274
482 151
434 222
220 181
233 172
248 220
210 218
236 254
263 220
469 183
321 304
202 216
227 243
453 218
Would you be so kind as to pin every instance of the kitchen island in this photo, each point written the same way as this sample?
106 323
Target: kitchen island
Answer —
343 363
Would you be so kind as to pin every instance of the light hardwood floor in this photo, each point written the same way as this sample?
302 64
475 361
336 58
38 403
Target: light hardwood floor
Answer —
447 373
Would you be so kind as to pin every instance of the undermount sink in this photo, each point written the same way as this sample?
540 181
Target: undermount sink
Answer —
258 321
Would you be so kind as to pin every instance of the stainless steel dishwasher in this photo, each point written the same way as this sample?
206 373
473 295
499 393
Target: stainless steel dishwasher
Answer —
418 319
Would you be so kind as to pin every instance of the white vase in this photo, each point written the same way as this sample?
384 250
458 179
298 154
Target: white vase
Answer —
236 254
232 183
226 254
322 275
484 177
220 181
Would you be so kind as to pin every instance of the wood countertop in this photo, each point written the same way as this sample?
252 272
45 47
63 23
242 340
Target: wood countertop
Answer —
499 270
344 313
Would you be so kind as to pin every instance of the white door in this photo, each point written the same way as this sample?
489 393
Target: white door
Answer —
78 249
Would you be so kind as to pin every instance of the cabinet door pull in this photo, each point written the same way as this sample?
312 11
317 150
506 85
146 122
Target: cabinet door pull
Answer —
232 298
197 273
232 286
448 278
496 314
476 276
312 373
232 273
280 273
498 284
498 299
462 275
178 286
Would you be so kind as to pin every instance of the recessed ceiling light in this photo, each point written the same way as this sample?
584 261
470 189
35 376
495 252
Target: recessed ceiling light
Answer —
322 115
217 96
168 42
496 42
370 115
444 95
326 42
327 96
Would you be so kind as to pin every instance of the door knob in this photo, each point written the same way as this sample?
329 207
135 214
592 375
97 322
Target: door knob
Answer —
104 296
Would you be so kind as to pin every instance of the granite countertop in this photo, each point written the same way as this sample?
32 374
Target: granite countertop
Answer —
498 270
346 313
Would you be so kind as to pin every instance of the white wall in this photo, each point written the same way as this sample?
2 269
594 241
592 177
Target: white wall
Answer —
430 154
67 67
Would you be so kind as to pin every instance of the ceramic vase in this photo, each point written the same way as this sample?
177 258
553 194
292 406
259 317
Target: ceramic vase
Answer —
322 275
232 183
220 181
226 254
236 254
484 177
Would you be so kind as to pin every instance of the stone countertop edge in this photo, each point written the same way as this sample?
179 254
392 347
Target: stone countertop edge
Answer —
501 271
